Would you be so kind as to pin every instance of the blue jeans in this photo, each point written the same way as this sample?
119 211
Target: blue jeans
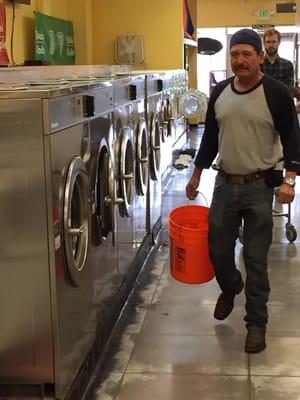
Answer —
251 203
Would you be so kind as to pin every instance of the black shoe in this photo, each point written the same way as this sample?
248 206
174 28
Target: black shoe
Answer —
224 306
225 303
256 339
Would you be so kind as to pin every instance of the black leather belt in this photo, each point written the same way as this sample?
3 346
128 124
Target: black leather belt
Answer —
241 179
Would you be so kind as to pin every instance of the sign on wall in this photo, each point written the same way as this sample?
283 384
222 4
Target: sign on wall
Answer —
3 52
54 40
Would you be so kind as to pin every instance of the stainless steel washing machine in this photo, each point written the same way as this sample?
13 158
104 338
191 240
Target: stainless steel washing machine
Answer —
178 87
46 277
168 123
124 173
153 118
141 154
104 242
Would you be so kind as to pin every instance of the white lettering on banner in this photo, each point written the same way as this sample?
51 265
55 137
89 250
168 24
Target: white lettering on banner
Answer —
40 37
70 52
69 40
40 49
60 38
51 42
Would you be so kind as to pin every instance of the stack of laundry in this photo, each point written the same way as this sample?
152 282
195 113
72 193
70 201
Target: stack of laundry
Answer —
184 158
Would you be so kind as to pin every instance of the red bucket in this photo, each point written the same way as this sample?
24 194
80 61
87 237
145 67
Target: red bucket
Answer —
189 256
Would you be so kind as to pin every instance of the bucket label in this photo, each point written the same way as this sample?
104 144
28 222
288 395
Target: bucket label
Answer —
180 259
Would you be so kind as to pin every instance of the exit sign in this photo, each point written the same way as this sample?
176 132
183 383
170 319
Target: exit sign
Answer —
263 13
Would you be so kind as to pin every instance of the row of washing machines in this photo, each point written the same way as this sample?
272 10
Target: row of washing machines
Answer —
82 166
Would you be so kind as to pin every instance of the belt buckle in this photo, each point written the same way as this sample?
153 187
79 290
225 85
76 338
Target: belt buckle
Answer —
246 179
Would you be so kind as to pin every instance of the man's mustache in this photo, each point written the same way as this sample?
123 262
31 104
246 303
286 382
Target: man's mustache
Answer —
240 66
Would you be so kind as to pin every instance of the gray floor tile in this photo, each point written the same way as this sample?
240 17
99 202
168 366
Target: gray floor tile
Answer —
211 355
270 388
170 291
284 282
179 387
191 320
282 358
284 321
284 252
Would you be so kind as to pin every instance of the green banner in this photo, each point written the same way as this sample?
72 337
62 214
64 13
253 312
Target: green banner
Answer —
54 40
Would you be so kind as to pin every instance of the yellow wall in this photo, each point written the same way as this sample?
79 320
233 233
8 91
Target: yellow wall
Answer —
297 19
160 22
98 23
78 11
238 13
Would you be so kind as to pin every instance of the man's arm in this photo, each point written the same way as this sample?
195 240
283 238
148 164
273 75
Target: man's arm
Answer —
286 191
286 123
193 183
289 80
285 119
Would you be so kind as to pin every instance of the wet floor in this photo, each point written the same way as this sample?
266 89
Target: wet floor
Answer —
168 346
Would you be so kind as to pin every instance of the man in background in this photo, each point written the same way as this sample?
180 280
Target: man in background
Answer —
273 65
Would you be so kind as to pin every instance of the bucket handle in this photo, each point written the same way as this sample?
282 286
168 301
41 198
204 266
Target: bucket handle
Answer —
203 196
188 202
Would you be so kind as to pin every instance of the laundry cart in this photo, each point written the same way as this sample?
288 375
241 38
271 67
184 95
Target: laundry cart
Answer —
290 230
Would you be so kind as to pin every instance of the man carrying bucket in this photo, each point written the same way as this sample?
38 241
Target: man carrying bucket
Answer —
250 124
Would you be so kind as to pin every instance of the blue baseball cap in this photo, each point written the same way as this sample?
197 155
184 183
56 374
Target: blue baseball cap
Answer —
247 36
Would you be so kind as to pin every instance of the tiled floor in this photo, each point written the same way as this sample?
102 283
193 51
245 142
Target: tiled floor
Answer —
168 346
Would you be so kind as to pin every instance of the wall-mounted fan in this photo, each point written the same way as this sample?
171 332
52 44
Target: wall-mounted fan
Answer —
129 49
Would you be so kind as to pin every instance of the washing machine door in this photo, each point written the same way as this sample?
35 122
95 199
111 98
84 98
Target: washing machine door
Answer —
125 171
141 158
76 219
193 103
104 189
154 151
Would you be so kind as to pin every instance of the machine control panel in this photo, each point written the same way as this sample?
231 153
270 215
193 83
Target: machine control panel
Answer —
152 85
65 112
103 100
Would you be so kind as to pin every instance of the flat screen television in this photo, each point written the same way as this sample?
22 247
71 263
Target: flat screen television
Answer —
21 1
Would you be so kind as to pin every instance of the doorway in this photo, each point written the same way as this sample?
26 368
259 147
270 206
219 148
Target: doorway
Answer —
214 68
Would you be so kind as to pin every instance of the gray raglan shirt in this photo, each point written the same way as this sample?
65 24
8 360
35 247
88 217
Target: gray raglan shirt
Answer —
250 130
